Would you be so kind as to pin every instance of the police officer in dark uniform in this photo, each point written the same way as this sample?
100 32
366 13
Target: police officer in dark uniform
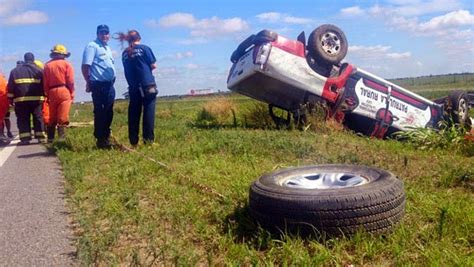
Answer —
25 89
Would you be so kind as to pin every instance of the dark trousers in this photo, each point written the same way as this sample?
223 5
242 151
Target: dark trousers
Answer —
138 103
103 97
24 111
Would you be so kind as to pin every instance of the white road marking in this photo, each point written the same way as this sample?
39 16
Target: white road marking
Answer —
7 151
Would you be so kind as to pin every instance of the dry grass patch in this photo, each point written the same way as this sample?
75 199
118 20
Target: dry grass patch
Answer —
217 112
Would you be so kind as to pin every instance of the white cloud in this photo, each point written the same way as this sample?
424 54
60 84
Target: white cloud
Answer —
14 12
377 52
166 72
384 62
177 20
10 58
152 23
296 20
399 55
215 27
377 49
203 28
269 17
275 17
194 40
415 8
452 27
450 20
27 17
192 66
181 55
177 56
11 6
352 11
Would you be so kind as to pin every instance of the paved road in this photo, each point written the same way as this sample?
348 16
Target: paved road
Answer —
34 227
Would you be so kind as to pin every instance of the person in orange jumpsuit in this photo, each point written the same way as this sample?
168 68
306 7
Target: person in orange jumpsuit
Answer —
58 86
4 104
45 108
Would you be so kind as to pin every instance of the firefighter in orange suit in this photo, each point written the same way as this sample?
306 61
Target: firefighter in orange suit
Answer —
59 88
3 101
25 88
45 107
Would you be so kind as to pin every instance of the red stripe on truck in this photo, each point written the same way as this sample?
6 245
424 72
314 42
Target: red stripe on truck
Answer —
291 46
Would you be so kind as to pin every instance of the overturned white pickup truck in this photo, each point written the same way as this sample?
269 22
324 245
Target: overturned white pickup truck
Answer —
290 74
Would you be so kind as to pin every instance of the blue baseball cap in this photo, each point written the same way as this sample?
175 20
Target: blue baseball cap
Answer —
103 28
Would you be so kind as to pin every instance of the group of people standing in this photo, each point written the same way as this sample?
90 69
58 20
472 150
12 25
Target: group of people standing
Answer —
30 87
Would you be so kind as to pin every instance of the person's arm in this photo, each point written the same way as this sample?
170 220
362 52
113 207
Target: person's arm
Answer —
11 89
70 81
87 60
45 81
85 73
151 58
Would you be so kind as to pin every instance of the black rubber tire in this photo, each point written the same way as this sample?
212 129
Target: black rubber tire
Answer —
265 36
459 110
374 207
324 56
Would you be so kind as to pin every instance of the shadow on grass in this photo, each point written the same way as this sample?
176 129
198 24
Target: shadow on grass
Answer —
245 229
211 126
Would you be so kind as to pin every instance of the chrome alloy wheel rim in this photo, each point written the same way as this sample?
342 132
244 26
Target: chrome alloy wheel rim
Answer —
331 43
324 180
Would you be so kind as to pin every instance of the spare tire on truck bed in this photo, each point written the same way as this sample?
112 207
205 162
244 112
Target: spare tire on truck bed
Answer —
334 199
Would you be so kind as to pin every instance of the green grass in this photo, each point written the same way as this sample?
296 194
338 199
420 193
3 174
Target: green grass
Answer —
128 209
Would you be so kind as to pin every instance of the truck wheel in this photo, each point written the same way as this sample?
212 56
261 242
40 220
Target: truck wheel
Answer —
331 199
460 108
327 44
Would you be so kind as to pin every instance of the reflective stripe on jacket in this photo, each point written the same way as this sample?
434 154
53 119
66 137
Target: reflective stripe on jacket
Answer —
28 98
26 83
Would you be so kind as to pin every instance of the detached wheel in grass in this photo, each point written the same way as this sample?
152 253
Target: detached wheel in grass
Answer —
460 108
327 44
334 199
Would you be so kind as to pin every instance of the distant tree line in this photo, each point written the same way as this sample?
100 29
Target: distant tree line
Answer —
444 79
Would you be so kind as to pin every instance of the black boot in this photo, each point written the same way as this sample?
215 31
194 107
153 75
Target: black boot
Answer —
62 132
51 130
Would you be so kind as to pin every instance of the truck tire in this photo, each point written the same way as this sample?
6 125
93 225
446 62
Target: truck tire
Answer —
265 36
460 108
327 44
330 199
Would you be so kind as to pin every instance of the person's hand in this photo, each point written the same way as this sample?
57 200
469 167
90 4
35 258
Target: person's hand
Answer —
88 87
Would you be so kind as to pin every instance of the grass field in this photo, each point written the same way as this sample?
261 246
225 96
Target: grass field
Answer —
128 208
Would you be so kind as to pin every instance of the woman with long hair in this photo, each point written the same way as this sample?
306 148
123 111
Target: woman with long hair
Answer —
138 63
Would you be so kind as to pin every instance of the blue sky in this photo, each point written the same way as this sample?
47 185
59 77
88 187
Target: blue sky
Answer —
193 40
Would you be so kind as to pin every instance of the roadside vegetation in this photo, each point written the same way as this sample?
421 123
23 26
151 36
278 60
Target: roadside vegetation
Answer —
183 201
